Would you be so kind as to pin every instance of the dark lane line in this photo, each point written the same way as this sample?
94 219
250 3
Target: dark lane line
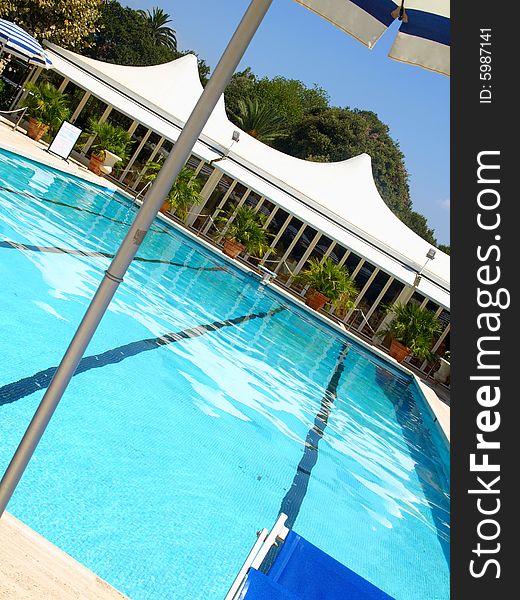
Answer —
78 208
57 250
41 380
294 497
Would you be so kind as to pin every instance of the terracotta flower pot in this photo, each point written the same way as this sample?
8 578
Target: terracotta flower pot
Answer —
102 164
165 207
36 130
233 248
398 351
95 164
315 300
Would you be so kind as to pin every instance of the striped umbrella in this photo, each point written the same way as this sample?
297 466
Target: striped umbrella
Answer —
14 40
423 38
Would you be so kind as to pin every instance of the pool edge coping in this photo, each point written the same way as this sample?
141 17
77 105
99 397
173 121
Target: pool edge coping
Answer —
34 566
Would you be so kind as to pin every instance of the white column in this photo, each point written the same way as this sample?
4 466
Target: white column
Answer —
259 204
152 156
377 301
80 106
291 247
271 216
323 258
359 297
361 262
406 293
232 216
63 84
22 93
135 154
441 337
211 219
277 237
133 127
205 192
305 256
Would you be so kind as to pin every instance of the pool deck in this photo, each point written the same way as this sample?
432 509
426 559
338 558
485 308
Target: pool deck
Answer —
18 142
32 568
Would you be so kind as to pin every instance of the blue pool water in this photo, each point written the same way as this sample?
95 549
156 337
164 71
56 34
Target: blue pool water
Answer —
168 452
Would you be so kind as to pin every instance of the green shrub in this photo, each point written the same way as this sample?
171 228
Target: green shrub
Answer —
109 137
331 280
413 326
46 104
247 229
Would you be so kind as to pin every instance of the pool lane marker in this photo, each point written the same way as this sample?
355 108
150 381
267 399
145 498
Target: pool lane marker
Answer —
294 497
58 250
24 387
78 208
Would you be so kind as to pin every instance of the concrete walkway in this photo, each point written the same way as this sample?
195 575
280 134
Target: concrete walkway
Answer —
31 568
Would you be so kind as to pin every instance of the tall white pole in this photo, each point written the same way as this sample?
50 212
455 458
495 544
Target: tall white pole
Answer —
135 236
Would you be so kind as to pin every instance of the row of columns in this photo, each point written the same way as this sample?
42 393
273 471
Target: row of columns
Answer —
209 187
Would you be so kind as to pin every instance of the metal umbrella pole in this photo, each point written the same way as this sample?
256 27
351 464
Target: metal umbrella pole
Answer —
135 236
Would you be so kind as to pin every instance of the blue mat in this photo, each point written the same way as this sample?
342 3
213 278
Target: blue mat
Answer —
303 572
260 587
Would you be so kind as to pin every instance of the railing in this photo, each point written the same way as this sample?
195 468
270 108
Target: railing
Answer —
20 110
141 191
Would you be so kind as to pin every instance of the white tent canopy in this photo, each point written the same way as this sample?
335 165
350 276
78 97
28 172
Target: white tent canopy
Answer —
340 199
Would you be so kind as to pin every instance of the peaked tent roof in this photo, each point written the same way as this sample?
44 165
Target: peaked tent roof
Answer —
340 198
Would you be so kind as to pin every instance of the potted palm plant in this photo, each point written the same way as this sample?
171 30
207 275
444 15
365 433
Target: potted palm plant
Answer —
328 282
184 194
244 232
110 146
47 108
411 331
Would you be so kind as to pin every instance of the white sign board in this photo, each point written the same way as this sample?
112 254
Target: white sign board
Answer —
64 141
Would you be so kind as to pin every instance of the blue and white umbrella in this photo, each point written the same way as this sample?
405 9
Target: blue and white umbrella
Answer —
14 40
423 38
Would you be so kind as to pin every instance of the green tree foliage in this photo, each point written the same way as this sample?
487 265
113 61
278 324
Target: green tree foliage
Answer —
316 131
127 37
260 120
158 21
288 98
418 223
336 134
444 248
68 23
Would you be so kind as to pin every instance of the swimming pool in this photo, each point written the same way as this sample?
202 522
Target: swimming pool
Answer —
183 431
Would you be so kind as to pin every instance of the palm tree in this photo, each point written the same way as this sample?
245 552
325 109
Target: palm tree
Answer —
157 20
259 120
